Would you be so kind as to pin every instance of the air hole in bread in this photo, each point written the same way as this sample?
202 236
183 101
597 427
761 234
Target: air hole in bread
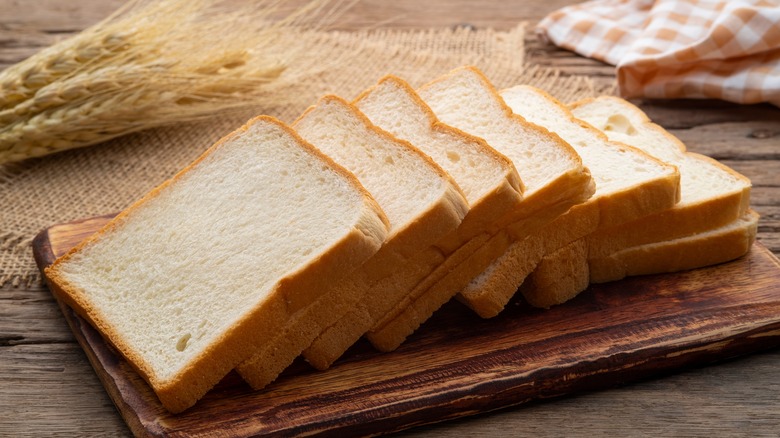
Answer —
182 344
620 123
389 160
453 156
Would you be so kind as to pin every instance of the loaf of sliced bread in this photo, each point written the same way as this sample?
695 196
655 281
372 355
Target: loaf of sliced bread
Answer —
421 201
713 196
488 179
200 273
552 172
630 184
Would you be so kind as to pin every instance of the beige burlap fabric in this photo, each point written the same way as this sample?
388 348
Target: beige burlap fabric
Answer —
107 177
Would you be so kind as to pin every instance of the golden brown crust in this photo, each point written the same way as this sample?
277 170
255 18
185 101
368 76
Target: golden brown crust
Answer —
562 274
639 200
288 342
430 295
405 240
536 210
338 337
626 204
432 222
335 340
676 222
424 301
710 248
392 330
507 274
577 179
207 368
484 211
670 224
495 293
479 144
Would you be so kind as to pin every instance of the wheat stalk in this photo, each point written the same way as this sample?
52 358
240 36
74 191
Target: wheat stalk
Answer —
151 63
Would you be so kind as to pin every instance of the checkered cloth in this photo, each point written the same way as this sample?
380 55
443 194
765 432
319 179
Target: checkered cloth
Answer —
726 50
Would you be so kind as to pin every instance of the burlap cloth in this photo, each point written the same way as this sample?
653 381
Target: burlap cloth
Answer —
106 178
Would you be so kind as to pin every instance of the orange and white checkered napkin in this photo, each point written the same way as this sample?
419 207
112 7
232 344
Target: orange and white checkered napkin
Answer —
719 49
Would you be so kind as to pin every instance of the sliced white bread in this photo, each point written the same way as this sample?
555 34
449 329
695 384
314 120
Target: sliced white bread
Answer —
630 184
713 195
569 269
420 199
196 276
488 179
715 246
559 273
552 172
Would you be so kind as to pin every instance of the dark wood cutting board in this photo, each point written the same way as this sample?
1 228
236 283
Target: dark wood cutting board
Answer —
458 364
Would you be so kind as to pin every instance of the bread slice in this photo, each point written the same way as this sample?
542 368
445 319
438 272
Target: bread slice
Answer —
552 172
569 269
488 179
196 276
709 189
420 199
712 195
563 273
630 184
715 246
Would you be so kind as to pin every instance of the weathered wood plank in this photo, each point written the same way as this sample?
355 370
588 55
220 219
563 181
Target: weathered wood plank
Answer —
549 55
54 392
26 27
717 401
31 316
769 226
444 13
687 113
765 196
749 140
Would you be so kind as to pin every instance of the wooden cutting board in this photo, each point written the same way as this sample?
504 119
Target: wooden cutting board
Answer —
458 364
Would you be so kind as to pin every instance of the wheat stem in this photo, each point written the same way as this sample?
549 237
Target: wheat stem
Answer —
150 63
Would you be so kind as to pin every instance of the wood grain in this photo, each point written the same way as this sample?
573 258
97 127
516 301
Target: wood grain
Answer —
460 365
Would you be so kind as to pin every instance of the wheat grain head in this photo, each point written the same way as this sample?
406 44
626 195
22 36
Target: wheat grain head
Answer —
152 63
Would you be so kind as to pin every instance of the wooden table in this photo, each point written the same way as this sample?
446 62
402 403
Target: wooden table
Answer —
47 387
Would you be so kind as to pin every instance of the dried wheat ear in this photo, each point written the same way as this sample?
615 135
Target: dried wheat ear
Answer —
149 64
